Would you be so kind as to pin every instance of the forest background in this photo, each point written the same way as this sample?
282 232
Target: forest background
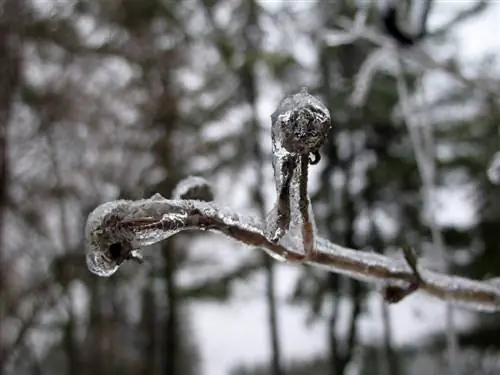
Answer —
108 99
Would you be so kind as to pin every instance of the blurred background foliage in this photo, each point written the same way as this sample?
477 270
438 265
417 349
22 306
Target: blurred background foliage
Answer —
108 99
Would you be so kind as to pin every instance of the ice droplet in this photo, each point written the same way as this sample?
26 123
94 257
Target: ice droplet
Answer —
493 171
98 265
132 224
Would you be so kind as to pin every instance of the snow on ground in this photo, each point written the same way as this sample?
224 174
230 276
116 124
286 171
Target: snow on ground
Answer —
237 332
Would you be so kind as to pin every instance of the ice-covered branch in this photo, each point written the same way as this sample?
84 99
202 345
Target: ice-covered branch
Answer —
116 231
148 221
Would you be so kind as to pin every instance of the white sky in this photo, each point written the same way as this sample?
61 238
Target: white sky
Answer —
237 332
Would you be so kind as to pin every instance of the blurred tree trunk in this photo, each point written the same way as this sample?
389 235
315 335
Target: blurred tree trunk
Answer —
342 64
94 353
10 76
172 335
166 118
341 354
249 77
390 359
148 330
242 58
71 346
70 340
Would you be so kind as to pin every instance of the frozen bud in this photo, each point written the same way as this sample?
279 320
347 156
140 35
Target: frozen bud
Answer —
300 124
106 249
194 187
117 231
494 169
99 265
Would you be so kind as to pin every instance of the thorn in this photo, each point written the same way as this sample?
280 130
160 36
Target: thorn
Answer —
411 259
395 293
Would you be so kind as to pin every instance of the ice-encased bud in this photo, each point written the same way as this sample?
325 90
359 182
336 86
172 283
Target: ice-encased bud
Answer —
106 248
194 187
300 124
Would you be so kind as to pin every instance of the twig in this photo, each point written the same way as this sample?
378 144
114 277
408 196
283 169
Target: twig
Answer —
308 227
365 266
415 54
117 229
300 126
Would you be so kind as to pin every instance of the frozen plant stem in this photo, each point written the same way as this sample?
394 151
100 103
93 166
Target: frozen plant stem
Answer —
300 126
148 221
117 230
308 229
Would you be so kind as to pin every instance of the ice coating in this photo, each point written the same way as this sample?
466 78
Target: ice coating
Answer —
98 265
291 230
471 294
115 231
194 187
97 238
166 227
300 126
361 265
128 226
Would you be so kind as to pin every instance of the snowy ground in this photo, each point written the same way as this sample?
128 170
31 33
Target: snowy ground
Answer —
237 333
